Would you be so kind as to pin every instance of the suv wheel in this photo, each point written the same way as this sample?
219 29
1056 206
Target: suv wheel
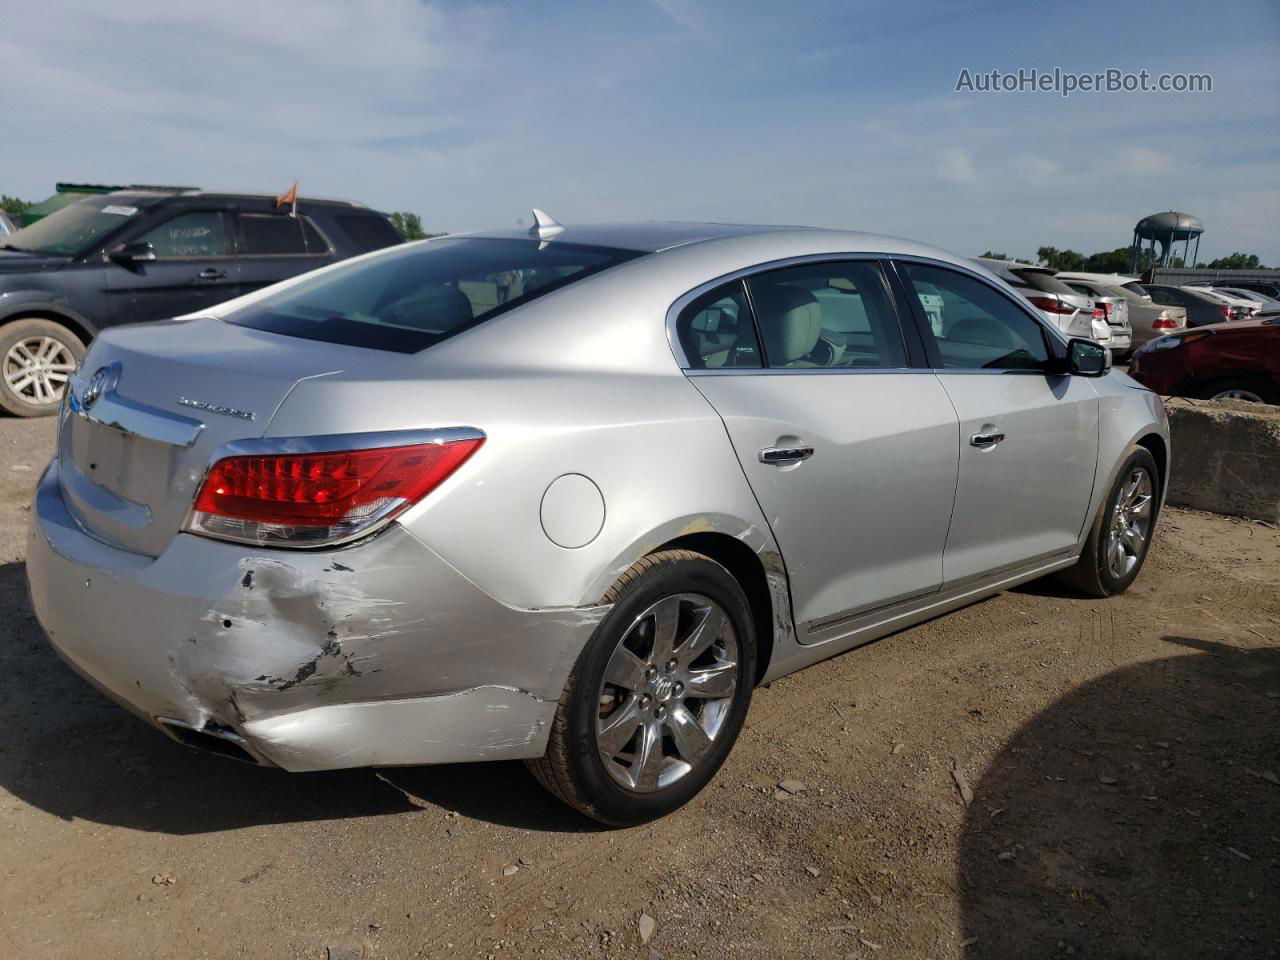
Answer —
658 696
37 357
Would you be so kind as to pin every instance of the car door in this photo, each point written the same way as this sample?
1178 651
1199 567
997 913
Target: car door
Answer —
851 453
1028 436
275 245
194 268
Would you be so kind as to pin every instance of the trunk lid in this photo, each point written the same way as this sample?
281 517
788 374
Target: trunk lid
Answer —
151 405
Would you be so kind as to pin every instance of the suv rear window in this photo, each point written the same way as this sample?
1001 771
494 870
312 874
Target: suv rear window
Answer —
369 232
413 297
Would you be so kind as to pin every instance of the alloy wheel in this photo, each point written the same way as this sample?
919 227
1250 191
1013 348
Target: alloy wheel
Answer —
1237 394
667 691
1130 523
36 369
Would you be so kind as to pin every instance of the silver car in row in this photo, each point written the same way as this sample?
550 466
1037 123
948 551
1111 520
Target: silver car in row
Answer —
1102 318
381 514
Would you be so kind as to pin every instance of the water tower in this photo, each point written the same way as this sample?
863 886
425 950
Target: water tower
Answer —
1164 230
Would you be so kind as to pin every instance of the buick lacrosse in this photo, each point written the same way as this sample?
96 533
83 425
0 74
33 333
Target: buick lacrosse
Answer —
569 495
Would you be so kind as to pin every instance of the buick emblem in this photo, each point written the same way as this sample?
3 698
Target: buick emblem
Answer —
97 386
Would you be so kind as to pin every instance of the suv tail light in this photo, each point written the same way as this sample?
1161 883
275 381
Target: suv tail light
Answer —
321 498
1051 304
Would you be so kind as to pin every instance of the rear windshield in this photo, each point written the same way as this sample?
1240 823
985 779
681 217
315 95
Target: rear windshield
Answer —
409 298
1044 282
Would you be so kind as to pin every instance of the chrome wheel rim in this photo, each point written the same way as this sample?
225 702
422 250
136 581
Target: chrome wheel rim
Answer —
1246 395
667 692
36 369
1130 523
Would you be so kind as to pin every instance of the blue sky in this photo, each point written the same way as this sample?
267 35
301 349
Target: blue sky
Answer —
826 113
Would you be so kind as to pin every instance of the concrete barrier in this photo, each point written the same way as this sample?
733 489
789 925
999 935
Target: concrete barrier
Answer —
1226 457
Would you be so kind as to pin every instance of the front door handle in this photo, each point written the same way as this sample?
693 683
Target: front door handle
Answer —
986 440
781 456
211 273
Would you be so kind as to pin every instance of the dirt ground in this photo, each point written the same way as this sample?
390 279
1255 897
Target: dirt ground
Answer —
1122 756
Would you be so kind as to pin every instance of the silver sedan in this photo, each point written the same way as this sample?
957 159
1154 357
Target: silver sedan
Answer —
569 495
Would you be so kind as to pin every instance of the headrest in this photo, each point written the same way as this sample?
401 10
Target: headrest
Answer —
790 320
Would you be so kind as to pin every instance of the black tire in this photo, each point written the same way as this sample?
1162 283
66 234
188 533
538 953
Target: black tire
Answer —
573 768
1093 574
1265 392
25 399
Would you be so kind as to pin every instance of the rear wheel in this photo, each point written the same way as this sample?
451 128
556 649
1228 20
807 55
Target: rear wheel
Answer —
37 358
1248 390
1121 534
659 695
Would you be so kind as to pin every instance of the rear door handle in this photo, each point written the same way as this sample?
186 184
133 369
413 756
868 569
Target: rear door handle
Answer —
211 273
781 456
986 440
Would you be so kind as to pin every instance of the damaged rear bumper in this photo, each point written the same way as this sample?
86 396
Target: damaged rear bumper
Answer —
376 654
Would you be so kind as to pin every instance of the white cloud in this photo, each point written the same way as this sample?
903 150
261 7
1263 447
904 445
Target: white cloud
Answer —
955 165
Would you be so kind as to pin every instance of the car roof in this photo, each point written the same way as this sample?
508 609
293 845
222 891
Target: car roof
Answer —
148 197
650 237
1106 279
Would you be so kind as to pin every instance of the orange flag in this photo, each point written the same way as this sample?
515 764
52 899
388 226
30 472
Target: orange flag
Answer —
289 198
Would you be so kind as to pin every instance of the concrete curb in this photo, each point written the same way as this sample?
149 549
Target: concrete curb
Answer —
1226 457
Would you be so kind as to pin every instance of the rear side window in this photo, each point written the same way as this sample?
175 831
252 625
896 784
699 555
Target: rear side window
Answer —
368 231
976 327
716 330
409 298
198 233
1162 297
827 315
278 234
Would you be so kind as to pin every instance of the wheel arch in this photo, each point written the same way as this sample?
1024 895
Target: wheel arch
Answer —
1155 444
38 311
748 568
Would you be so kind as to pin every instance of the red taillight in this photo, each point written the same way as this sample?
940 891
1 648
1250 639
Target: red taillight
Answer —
319 498
1225 311
1106 309
1164 323
1099 313
1051 304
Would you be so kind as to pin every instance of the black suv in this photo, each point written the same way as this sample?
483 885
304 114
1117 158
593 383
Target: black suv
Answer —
140 255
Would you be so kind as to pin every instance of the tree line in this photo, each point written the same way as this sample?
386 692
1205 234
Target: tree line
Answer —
1118 261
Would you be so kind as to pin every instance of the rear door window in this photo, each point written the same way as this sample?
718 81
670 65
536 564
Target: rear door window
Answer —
278 234
836 315
409 298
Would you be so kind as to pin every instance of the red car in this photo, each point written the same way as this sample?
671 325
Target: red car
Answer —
1224 361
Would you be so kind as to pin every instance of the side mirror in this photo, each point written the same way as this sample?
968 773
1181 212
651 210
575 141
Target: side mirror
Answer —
140 251
1087 359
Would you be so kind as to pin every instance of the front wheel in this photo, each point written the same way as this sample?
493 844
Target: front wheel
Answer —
658 696
37 358
1121 533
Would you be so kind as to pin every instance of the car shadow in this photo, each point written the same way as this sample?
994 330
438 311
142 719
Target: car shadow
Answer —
1138 816
69 751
